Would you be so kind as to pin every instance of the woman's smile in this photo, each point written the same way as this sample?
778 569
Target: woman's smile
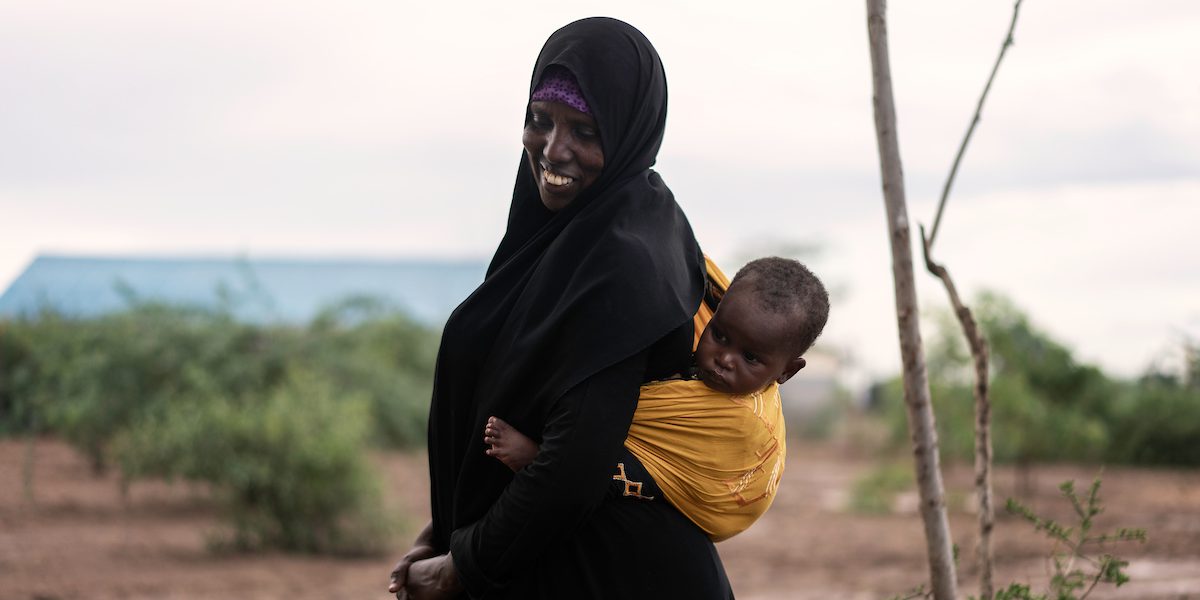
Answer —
555 179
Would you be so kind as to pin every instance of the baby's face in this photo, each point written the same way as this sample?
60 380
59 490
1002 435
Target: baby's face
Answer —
744 347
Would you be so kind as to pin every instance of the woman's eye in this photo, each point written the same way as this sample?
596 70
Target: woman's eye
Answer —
541 121
585 132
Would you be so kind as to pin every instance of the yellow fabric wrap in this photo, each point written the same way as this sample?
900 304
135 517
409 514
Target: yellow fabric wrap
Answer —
717 457
719 283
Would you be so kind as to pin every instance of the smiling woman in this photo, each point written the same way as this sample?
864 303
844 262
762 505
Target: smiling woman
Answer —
591 293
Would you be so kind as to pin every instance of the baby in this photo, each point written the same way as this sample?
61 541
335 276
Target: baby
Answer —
690 434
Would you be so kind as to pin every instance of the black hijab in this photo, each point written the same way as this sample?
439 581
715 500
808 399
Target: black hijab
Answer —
571 293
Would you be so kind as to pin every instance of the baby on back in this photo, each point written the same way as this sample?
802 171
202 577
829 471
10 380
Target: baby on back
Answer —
713 441
767 319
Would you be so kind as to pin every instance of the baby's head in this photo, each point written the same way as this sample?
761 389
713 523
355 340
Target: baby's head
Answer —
772 312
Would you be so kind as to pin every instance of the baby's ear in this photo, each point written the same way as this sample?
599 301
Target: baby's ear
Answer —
793 367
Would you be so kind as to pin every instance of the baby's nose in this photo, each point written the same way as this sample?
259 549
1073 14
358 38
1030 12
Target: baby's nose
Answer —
725 360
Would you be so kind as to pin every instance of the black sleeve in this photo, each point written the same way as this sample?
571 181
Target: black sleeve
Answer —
672 354
546 500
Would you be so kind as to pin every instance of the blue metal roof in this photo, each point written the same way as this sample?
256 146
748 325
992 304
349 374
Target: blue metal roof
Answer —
253 289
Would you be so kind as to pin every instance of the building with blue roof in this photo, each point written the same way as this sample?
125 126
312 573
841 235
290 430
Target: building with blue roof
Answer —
253 289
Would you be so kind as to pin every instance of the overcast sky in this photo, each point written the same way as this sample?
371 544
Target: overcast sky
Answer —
392 129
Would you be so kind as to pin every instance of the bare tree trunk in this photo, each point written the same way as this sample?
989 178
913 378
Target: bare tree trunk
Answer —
921 427
983 420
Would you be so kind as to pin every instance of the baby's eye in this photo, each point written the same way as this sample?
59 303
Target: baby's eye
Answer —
750 357
718 336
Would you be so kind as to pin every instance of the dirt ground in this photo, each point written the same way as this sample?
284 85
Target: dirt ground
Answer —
80 538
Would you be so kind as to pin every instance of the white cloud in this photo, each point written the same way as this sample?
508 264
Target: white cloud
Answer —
1107 269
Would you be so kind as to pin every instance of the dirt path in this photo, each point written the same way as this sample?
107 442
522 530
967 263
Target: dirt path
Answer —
81 539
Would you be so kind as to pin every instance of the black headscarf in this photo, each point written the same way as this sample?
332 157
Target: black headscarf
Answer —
571 293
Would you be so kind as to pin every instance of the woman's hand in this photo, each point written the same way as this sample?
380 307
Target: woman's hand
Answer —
432 579
422 549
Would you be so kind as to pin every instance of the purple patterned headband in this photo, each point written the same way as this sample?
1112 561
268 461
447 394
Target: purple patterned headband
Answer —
559 85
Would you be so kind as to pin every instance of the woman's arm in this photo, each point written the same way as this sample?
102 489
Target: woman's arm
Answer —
545 501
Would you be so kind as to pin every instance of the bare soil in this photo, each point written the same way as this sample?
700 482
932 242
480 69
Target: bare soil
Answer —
80 537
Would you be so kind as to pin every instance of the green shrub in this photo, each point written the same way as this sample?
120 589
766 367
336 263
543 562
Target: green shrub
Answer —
362 347
1080 559
289 469
1158 423
1045 405
276 418
89 379
18 372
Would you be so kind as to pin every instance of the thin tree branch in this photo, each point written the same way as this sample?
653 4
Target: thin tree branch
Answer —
1008 41
983 419
976 340
1095 581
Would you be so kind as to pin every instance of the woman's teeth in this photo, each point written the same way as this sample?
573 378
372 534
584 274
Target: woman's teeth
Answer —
553 179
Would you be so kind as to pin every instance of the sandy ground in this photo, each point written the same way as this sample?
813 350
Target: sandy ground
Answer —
80 539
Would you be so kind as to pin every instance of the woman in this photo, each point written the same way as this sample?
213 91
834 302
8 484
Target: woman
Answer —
590 293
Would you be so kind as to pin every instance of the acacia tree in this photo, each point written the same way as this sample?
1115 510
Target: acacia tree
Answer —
921 426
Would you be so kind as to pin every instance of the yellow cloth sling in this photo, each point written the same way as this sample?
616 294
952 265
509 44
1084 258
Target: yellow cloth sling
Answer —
719 283
717 457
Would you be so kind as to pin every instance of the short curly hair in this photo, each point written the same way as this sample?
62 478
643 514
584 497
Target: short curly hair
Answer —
786 287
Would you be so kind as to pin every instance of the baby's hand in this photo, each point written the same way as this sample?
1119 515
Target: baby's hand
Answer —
508 445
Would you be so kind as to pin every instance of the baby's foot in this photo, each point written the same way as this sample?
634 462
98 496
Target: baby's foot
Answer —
508 445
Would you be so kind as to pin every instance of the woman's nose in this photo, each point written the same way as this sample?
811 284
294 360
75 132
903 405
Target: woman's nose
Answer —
558 147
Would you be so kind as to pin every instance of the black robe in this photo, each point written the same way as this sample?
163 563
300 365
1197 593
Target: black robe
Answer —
578 308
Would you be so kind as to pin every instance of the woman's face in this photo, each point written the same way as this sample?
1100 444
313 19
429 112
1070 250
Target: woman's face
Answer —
564 151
